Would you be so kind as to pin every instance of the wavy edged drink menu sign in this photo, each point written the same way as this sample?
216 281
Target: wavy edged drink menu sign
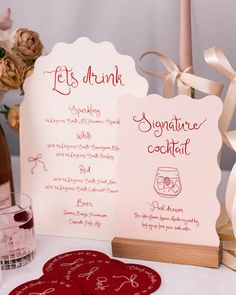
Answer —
69 124
168 173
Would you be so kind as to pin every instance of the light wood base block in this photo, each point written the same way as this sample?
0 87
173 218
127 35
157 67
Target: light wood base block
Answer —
167 252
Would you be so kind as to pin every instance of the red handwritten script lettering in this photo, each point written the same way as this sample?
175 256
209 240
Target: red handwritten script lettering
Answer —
64 79
171 146
113 78
84 110
174 124
101 284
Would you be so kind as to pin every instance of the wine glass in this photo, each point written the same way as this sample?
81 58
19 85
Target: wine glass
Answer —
17 243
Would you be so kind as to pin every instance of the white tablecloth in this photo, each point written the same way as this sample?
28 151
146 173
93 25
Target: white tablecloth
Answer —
176 279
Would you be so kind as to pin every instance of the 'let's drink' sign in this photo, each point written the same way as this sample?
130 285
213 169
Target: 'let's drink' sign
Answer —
168 169
69 124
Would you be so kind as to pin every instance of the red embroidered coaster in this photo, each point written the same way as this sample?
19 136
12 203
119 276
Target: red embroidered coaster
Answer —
153 277
47 287
82 274
58 265
124 279
88 272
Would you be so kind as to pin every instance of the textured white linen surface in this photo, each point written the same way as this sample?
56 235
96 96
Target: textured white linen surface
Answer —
176 279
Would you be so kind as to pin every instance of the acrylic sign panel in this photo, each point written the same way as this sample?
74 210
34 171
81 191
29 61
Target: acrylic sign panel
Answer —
168 169
69 124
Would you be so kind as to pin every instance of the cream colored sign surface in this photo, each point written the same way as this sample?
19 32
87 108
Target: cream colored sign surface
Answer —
168 169
69 125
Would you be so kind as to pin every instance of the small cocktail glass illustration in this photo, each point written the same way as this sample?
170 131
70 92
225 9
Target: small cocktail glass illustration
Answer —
167 182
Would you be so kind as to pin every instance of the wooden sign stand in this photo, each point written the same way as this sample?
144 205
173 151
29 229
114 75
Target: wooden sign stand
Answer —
167 252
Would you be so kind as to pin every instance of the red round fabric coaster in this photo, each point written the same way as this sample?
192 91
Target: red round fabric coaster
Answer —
153 276
58 265
47 287
129 279
82 274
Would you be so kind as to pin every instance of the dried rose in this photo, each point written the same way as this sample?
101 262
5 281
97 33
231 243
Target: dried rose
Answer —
11 71
27 44
13 119
28 71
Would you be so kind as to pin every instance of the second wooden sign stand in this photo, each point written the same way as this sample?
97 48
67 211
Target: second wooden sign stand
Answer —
167 252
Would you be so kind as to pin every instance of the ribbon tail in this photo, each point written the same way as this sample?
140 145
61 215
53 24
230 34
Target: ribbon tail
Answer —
229 260
216 58
229 245
223 218
230 192
183 88
230 139
229 107
202 84
233 212
169 85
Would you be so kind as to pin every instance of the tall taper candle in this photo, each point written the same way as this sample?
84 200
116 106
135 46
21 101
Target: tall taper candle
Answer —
185 40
